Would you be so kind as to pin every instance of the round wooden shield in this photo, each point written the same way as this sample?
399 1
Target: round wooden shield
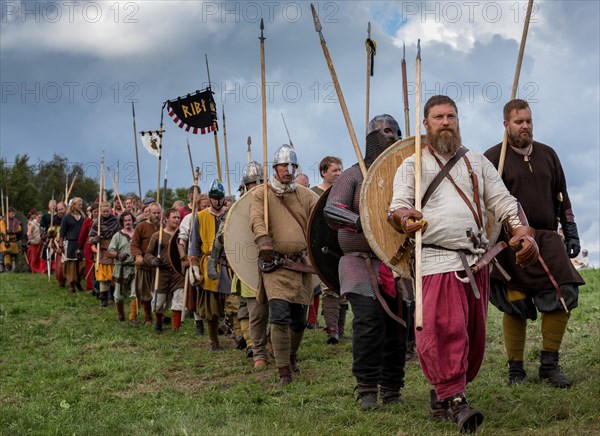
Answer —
238 239
324 249
174 257
375 198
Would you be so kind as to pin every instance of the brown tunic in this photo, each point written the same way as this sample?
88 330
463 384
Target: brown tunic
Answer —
289 237
141 237
169 280
537 191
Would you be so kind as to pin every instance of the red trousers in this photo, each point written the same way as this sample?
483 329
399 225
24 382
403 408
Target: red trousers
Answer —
451 344
88 254
34 255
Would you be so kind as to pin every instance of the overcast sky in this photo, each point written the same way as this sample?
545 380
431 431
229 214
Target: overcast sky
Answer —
70 70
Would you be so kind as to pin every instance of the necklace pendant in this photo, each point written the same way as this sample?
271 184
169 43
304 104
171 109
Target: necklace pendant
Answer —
526 158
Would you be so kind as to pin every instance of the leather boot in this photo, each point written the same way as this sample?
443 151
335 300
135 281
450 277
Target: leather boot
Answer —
342 320
199 327
389 394
103 298
550 370
176 320
133 312
213 334
294 363
439 410
147 312
516 372
332 335
367 394
285 376
467 418
120 311
158 325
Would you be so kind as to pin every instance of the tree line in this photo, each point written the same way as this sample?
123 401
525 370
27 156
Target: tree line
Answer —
32 185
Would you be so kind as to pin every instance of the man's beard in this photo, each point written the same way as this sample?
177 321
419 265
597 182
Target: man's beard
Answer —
444 141
519 141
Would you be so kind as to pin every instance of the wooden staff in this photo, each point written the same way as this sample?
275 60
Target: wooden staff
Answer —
226 155
2 201
338 90
214 125
48 249
116 192
137 158
405 93
418 234
515 83
264 123
160 135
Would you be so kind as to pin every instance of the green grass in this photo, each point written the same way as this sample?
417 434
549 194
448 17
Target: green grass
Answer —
67 367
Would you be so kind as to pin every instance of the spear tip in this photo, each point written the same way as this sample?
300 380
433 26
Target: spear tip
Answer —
262 28
403 51
249 141
419 49
315 18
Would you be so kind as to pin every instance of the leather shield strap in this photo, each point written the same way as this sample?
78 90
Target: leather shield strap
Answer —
465 262
375 285
296 266
553 280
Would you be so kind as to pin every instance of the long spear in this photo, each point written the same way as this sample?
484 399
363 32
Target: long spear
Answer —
100 199
226 154
137 158
515 82
371 50
160 234
48 250
287 131
190 156
405 93
160 147
214 125
264 123
249 152
336 83
192 221
418 234
116 192
70 189
2 201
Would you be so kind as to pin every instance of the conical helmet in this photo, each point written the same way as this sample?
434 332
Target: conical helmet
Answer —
285 155
252 173
216 190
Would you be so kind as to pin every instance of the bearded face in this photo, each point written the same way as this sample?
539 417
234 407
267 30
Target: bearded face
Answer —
520 128
443 131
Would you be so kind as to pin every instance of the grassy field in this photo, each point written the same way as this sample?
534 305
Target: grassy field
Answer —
67 367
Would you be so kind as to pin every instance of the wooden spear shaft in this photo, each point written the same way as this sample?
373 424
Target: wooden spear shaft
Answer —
100 199
368 100
189 246
137 158
418 234
264 123
515 82
70 188
226 154
216 139
336 83
116 192
405 94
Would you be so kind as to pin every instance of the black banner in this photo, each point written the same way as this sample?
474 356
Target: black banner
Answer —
195 113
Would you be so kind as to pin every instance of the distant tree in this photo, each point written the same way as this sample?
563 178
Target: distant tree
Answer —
55 176
182 194
22 191
171 197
